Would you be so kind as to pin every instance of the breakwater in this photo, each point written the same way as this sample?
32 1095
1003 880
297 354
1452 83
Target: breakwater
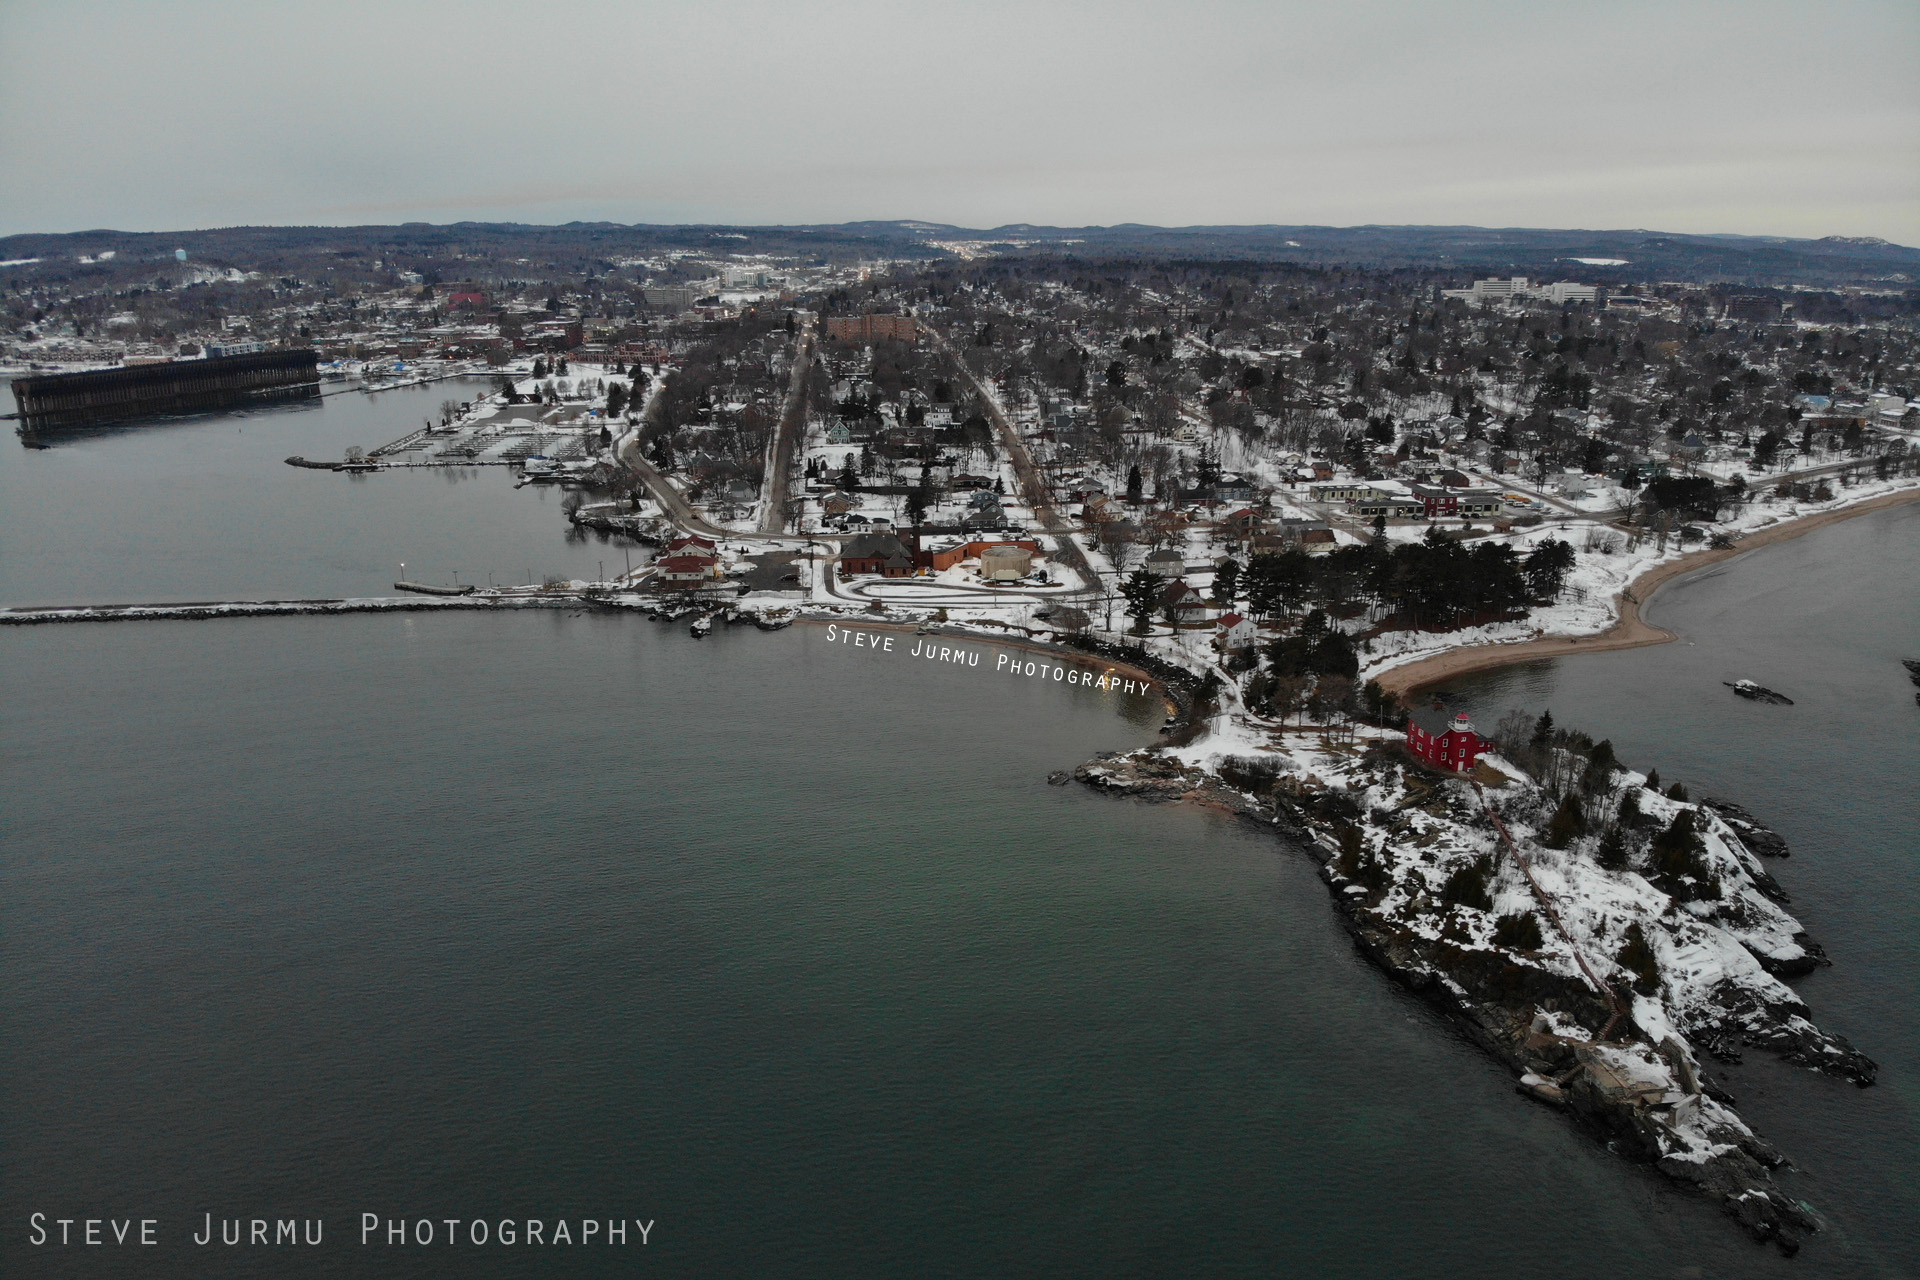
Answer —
575 597
209 609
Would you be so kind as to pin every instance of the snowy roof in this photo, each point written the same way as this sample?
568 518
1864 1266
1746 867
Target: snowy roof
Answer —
1436 720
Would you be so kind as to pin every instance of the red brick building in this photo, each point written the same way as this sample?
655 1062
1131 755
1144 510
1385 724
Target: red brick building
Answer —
881 553
870 328
1439 502
1442 741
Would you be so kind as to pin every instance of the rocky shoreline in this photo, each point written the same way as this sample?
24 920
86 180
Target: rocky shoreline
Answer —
1391 839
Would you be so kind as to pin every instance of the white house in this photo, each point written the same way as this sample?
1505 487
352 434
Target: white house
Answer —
1237 632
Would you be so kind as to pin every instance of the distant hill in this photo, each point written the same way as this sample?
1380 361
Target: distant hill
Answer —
1592 256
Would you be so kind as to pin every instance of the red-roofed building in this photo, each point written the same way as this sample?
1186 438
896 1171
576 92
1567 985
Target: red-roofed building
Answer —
1442 741
686 571
1237 632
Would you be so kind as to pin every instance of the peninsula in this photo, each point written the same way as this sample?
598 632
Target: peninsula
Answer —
1285 497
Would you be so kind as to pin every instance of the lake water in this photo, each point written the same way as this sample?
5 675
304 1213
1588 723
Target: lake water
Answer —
1826 620
204 508
784 947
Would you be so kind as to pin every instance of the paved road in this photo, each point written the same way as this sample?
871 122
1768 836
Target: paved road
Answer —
671 500
1032 487
786 440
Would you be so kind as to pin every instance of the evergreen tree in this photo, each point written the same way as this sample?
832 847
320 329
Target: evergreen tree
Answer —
1225 580
1677 859
1543 730
539 367
1141 592
1600 767
1653 780
1207 467
1676 792
1546 568
1518 932
1136 488
1612 853
1637 958
1568 821
1467 887
1629 815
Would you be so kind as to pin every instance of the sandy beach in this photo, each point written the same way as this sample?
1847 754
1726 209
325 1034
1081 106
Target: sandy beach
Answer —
1629 631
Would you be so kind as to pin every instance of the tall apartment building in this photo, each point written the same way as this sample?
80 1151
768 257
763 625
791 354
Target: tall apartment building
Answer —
870 328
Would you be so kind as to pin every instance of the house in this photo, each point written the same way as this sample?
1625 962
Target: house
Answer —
1166 563
838 433
1291 527
1347 491
1237 632
686 571
1187 605
1446 743
1573 484
881 553
1243 522
692 544
1232 488
986 516
836 504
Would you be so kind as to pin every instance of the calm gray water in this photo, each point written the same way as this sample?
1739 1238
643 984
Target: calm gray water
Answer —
203 508
1826 620
783 947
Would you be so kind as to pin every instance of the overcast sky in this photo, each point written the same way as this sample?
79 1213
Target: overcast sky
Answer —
1795 119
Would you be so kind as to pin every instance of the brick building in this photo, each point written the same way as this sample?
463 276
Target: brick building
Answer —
870 328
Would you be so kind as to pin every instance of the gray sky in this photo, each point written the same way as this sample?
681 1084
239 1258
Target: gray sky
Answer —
1782 119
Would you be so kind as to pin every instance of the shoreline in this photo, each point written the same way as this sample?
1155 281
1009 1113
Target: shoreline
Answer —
1629 630
961 631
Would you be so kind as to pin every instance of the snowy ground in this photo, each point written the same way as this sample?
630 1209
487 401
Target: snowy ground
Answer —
1590 602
